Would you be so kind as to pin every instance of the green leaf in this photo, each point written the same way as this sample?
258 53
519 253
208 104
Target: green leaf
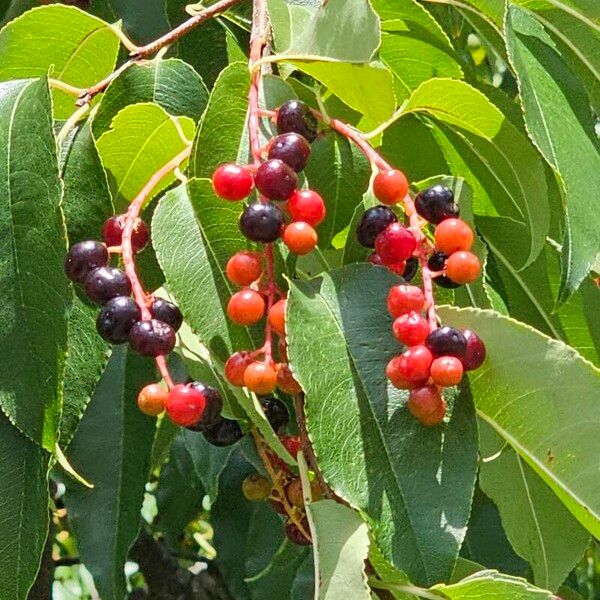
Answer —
368 446
33 244
538 525
111 449
80 49
143 138
559 120
24 516
527 374
171 83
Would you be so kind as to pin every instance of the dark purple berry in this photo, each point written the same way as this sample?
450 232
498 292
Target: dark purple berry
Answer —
152 338
262 222
276 412
83 258
212 409
436 204
296 117
292 149
447 341
411 268
105 283
275 180
372 223
437 261
294 534
475 354
167 312
113 229
116 319
445 282
224 432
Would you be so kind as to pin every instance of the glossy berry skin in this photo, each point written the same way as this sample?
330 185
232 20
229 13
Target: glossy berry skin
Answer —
225 432
414 364
277 317
394 372
453 235
395 243
152 399
292 149
411 329
372 223
167 312
463 267
276 413
410 269
296 536
243 268
397 268
405 298
113 228
296 117
83 258
427 405
446 371
475 353
275 180
444 281
261 378
262 222
300 238
232 182
292 444
152 338
437 262
105 283
235 366
185 405
246 307
256 488
307 206
436 204
390 187
212 407
447 341
285 379
117 317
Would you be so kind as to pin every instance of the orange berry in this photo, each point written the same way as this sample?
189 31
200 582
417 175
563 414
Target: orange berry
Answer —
285 379
463 267
427 405
244 267
277 317
246 307
152 399
446 370
300 237
261 378
453 235
390 186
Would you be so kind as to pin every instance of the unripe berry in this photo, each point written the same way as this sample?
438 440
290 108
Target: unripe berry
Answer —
390 186
152 338
411 328
395 243
300 238
167 312
405 298
394 371
152 399
236 366
292 149
225 432
295 116
244 268
277 317
260 378
276 412
414 364
185 405
475 353
104 283
307 206
262 222
446 371
372 223
116 319
453 235
232 182
285 379
436 204
275 180
83 258
246 307
256 488
113 229
427 405
447 341
463 267
294 493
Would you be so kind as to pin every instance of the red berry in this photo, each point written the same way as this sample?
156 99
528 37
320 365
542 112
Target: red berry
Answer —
185 405
394 372
397 268
390 186
236 366
260 377
113 229
475 353
300 237
411 328
285 379
152 399
244 267
446 370
463 267
415 363
232 182
453 235
395 243
277 317
246 307
307 206
292 444
427 405
405 298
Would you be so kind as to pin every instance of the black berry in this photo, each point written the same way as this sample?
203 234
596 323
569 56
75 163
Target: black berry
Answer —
295 116
411 268
224 432
116 319
105 283
436 204
152 338
372 223
113 228
437 261
447 341
276 412
212 408
445 282
167 312
275 180
292 149
262 222
83 258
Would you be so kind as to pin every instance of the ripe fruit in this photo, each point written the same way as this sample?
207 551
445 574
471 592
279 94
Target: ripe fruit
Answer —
300 238
292 149
116 319
105 283
475 353
235 366
394 371
167 312
307 206
212 408
185 405
113 229
292 444
437 261
83 258
224 432
372 223
285 379
296 536
411 328
395 243
390 186
411 268
262 222
276 412
295 116
152 399
463 267
256 488
447 341
436 204
405 298
453 235
244 268
275 180
397 268
152 338
446 370
277 317
427 405
260 377
232 182
246 307
414 364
